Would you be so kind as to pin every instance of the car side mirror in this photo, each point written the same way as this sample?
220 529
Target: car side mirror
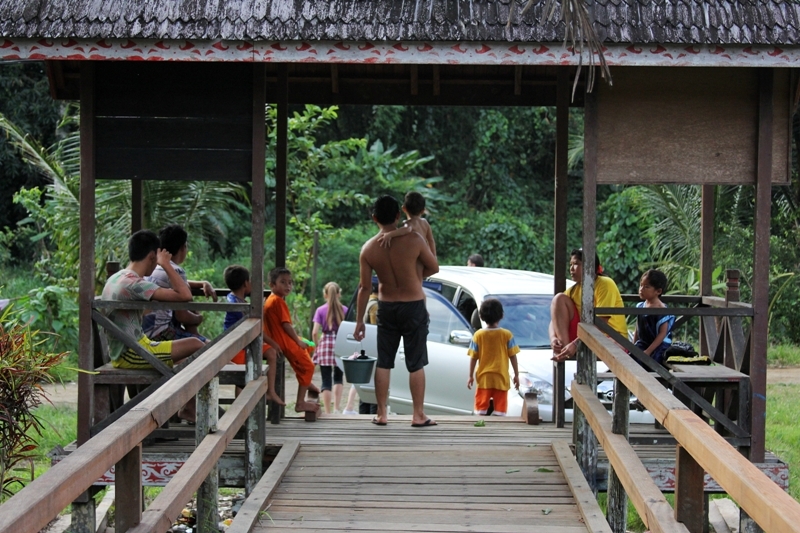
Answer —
460 336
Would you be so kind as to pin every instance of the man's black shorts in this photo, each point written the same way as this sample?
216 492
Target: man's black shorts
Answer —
408 320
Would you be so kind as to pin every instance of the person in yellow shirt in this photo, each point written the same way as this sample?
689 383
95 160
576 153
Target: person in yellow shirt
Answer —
565 309
491 349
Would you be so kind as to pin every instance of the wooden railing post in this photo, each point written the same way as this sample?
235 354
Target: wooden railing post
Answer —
128 490
275 410
207 419
617 514
689 494
559 387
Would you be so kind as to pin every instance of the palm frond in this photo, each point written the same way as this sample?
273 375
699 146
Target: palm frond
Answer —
579 34
676 234
32 151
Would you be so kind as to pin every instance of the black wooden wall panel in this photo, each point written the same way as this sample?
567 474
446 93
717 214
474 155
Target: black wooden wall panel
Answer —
174 121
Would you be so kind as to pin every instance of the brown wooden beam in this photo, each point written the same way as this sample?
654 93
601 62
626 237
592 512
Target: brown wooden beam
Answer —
437 81
560 222
414 80
137 205
87 274
518 80
585 443
254 427
128 490
335 78
689 495
706 255
281 148
760 327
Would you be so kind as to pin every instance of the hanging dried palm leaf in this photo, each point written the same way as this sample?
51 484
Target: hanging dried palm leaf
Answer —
578 33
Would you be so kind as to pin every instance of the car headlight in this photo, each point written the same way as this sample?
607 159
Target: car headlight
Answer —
544 389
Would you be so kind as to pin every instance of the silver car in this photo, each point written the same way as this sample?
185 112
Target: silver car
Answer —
457 293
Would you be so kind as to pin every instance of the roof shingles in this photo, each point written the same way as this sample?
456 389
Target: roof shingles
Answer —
769 22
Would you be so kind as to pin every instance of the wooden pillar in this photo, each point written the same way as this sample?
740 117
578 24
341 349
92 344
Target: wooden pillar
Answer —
585 442
689 495
255 425
617 508
137 205
83 516
128 490
560 225
759 331
706 261
207 493
562 152
281 148
86 274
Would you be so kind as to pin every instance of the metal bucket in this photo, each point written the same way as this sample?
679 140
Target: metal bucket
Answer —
358 370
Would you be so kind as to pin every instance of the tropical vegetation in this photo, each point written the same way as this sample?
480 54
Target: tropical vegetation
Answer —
487 175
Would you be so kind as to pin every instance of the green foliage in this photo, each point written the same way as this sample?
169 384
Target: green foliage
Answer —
24 99
53 309
331 183
623 243
24 364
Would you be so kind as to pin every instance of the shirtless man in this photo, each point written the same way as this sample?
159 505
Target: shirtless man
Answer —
401 306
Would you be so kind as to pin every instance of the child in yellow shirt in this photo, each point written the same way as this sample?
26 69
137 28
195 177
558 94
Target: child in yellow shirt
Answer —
491 349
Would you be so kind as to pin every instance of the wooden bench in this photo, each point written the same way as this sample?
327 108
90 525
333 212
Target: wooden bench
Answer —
109 383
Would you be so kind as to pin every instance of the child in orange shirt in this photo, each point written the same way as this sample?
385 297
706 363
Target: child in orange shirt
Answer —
278 326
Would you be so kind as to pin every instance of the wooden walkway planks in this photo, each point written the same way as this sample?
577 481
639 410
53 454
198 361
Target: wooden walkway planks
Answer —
350 475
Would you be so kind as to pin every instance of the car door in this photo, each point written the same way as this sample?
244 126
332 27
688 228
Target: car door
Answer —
448 365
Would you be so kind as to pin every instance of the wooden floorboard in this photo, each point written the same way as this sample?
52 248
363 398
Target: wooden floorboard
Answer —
350 475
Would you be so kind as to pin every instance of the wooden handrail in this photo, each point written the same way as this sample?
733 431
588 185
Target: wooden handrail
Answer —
759 496
653 508
676 311
716 301
168 504
192 306
64 482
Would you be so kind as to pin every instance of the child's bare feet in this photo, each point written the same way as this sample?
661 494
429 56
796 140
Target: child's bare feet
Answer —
302 407
314 388
273 396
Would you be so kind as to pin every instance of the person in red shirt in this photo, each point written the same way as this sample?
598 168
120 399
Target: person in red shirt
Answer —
278 326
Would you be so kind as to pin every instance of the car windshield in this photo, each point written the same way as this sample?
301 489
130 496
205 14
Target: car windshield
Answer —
527 316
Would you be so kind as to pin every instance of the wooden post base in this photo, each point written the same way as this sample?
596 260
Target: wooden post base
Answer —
530 411
311 416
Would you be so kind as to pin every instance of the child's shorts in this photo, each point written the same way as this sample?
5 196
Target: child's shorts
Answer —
131 360
500 397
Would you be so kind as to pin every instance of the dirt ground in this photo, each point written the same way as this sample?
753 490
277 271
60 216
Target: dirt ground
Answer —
67 394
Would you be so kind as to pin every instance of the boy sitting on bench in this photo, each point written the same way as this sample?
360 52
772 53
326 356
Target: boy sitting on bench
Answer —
129 285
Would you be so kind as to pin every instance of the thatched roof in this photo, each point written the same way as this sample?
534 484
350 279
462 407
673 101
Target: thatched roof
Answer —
759 22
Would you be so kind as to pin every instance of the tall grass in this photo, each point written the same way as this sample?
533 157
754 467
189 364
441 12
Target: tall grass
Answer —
783 432
17 281
783 355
